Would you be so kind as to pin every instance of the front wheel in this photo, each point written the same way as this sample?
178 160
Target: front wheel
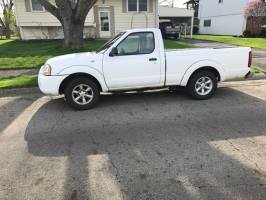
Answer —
82 93
202 85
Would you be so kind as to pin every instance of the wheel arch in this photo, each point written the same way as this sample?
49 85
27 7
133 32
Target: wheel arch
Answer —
76 75
210 66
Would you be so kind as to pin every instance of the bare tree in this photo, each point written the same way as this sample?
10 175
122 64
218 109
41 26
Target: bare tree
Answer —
170 3
194 4
8 16
189 3
72 15
254 12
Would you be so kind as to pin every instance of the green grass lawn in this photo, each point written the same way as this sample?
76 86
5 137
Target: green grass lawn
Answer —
18 81
172 44
259 43
17 54
256 69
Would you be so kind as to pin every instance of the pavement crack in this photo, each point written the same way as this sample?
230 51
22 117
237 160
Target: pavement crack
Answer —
231 185
93 140
117 175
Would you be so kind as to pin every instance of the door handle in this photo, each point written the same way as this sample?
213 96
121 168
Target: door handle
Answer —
152 59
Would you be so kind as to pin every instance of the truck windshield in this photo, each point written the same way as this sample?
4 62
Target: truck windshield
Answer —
110 42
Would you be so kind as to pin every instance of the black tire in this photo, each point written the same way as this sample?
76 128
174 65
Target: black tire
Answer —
82 82
193 83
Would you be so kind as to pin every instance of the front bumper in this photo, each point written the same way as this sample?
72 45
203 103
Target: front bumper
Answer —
49 85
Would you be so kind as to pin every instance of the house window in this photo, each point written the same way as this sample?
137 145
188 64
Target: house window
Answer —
137 5
132 5
207 23
36 6
104 18
143 5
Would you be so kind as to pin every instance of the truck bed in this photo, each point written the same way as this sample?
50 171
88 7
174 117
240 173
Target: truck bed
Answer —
232 62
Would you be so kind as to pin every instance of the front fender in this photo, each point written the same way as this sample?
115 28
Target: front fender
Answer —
87 70
200 64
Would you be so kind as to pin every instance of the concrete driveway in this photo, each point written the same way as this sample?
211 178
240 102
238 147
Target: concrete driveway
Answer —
154 145
259 56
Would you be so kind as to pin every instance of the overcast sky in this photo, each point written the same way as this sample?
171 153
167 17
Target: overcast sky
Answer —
178 3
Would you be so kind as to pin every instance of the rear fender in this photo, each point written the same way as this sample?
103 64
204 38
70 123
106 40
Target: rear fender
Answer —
201 64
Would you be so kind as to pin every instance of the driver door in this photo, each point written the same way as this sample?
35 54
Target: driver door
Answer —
136 65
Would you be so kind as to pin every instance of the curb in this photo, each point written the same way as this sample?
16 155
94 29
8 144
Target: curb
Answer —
20 92
259 76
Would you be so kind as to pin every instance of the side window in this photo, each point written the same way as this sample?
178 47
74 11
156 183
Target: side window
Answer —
36 6
132 5
143 5
137 43
137 5
207 23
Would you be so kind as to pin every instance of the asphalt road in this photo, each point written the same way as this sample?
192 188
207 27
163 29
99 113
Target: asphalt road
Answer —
152 145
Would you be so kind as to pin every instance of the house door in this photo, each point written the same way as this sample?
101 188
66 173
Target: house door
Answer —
104 23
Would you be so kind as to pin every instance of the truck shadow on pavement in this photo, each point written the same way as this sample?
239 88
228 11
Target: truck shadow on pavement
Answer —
159 145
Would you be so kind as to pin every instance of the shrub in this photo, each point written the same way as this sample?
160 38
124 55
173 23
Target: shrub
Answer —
248 34
263 32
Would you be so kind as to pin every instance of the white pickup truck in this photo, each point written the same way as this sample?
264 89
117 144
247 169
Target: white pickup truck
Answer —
136 59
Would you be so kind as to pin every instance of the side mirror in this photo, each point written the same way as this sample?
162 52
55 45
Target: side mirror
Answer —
114 52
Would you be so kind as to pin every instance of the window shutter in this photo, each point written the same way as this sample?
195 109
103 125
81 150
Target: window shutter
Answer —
124 6
150 6
27 6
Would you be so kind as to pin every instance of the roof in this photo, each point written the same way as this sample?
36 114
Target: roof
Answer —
165 11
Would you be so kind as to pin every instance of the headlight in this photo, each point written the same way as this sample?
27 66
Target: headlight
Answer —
47 70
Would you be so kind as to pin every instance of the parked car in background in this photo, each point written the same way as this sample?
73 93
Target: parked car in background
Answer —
136 59
168 30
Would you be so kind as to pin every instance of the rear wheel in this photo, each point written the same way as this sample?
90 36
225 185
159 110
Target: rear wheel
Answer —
202 85
82 93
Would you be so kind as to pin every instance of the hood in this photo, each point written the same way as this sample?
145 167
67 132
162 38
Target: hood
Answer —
59 63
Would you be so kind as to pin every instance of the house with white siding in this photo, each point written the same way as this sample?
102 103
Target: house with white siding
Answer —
222 17
104 20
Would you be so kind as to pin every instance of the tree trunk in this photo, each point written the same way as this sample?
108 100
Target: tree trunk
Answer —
73 34
8 34
7 31
5 28
72 15
254 25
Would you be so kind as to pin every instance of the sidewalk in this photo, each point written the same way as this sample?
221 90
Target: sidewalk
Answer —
7 73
